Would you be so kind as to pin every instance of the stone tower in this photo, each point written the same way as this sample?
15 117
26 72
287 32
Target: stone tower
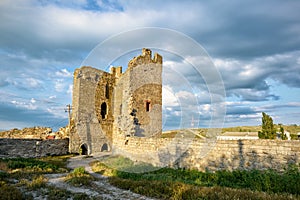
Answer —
107 107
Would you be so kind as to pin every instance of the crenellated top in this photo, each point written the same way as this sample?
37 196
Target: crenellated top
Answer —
116 71
145 58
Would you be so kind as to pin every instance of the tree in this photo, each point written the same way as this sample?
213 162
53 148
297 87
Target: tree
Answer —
268 131
282 134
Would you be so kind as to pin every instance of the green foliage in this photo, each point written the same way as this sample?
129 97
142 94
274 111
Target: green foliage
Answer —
179 190
110 165
79 177
59 161
54 193
282 134
294 137
3 175
37 182
29 163
268 130
267 181
10 192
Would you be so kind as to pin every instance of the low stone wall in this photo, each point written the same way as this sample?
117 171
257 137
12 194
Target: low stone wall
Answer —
29 148
211 155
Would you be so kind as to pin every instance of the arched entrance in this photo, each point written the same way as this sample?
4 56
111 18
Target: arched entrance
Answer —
83 150
104 147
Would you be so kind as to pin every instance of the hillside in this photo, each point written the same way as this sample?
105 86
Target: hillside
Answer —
34 133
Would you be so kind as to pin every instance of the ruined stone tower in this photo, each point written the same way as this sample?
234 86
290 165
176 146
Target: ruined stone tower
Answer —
108 107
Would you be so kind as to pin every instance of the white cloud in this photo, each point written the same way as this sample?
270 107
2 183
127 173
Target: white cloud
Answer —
39 38
33 100
60 85
53 97
24 104
169 98
63 73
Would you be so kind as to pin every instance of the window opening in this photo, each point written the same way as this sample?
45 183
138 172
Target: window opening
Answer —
148 106
103 110
107 91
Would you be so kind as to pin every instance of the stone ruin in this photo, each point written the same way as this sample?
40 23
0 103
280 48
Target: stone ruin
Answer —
115 105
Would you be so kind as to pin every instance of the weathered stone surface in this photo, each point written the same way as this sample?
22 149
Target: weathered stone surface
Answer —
29 148
111 106
224 155
124 111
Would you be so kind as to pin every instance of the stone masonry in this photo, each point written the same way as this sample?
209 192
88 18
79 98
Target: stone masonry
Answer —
212 156
31 148
116 105
122 113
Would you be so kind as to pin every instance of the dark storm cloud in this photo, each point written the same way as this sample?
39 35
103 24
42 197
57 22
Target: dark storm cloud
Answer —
247 29
238 110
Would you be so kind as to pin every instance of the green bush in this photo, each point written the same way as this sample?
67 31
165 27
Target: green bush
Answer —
267 181
29 163
79 177
56 193
10 192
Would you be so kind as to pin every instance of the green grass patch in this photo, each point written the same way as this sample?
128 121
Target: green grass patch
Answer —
53 164
38 181
79 177
178 191
169 183
110 165
59 161
10 192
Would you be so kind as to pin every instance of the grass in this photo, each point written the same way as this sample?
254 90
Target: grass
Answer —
109 166
169 183
20 177
54 193
79 177
10 192
37 182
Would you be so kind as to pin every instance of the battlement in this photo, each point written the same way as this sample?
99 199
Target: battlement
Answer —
145 58
116 71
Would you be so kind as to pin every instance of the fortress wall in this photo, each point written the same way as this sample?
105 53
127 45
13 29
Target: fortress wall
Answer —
138 97
30 148
87 129
218 155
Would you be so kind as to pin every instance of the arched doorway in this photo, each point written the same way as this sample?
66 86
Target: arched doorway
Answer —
103 110
104 147
83 150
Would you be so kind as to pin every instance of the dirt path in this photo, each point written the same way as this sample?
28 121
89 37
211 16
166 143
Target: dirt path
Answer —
103 189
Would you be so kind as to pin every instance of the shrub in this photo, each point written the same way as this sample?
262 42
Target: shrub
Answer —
56 193
30 163
267 181
37 182
10 192
79 177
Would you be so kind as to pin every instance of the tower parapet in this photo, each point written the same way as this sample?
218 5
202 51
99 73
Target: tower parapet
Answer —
116 71
145 58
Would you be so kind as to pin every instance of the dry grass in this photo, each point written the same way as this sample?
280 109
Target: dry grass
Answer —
191 184
79 177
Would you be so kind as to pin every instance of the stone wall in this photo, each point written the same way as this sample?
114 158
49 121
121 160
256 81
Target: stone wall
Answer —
89 94
108 105
138 97
30 148
212 155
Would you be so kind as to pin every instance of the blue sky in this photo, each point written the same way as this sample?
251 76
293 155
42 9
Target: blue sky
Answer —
254 44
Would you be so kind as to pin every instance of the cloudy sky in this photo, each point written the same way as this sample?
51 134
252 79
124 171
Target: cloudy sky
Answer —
255 45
